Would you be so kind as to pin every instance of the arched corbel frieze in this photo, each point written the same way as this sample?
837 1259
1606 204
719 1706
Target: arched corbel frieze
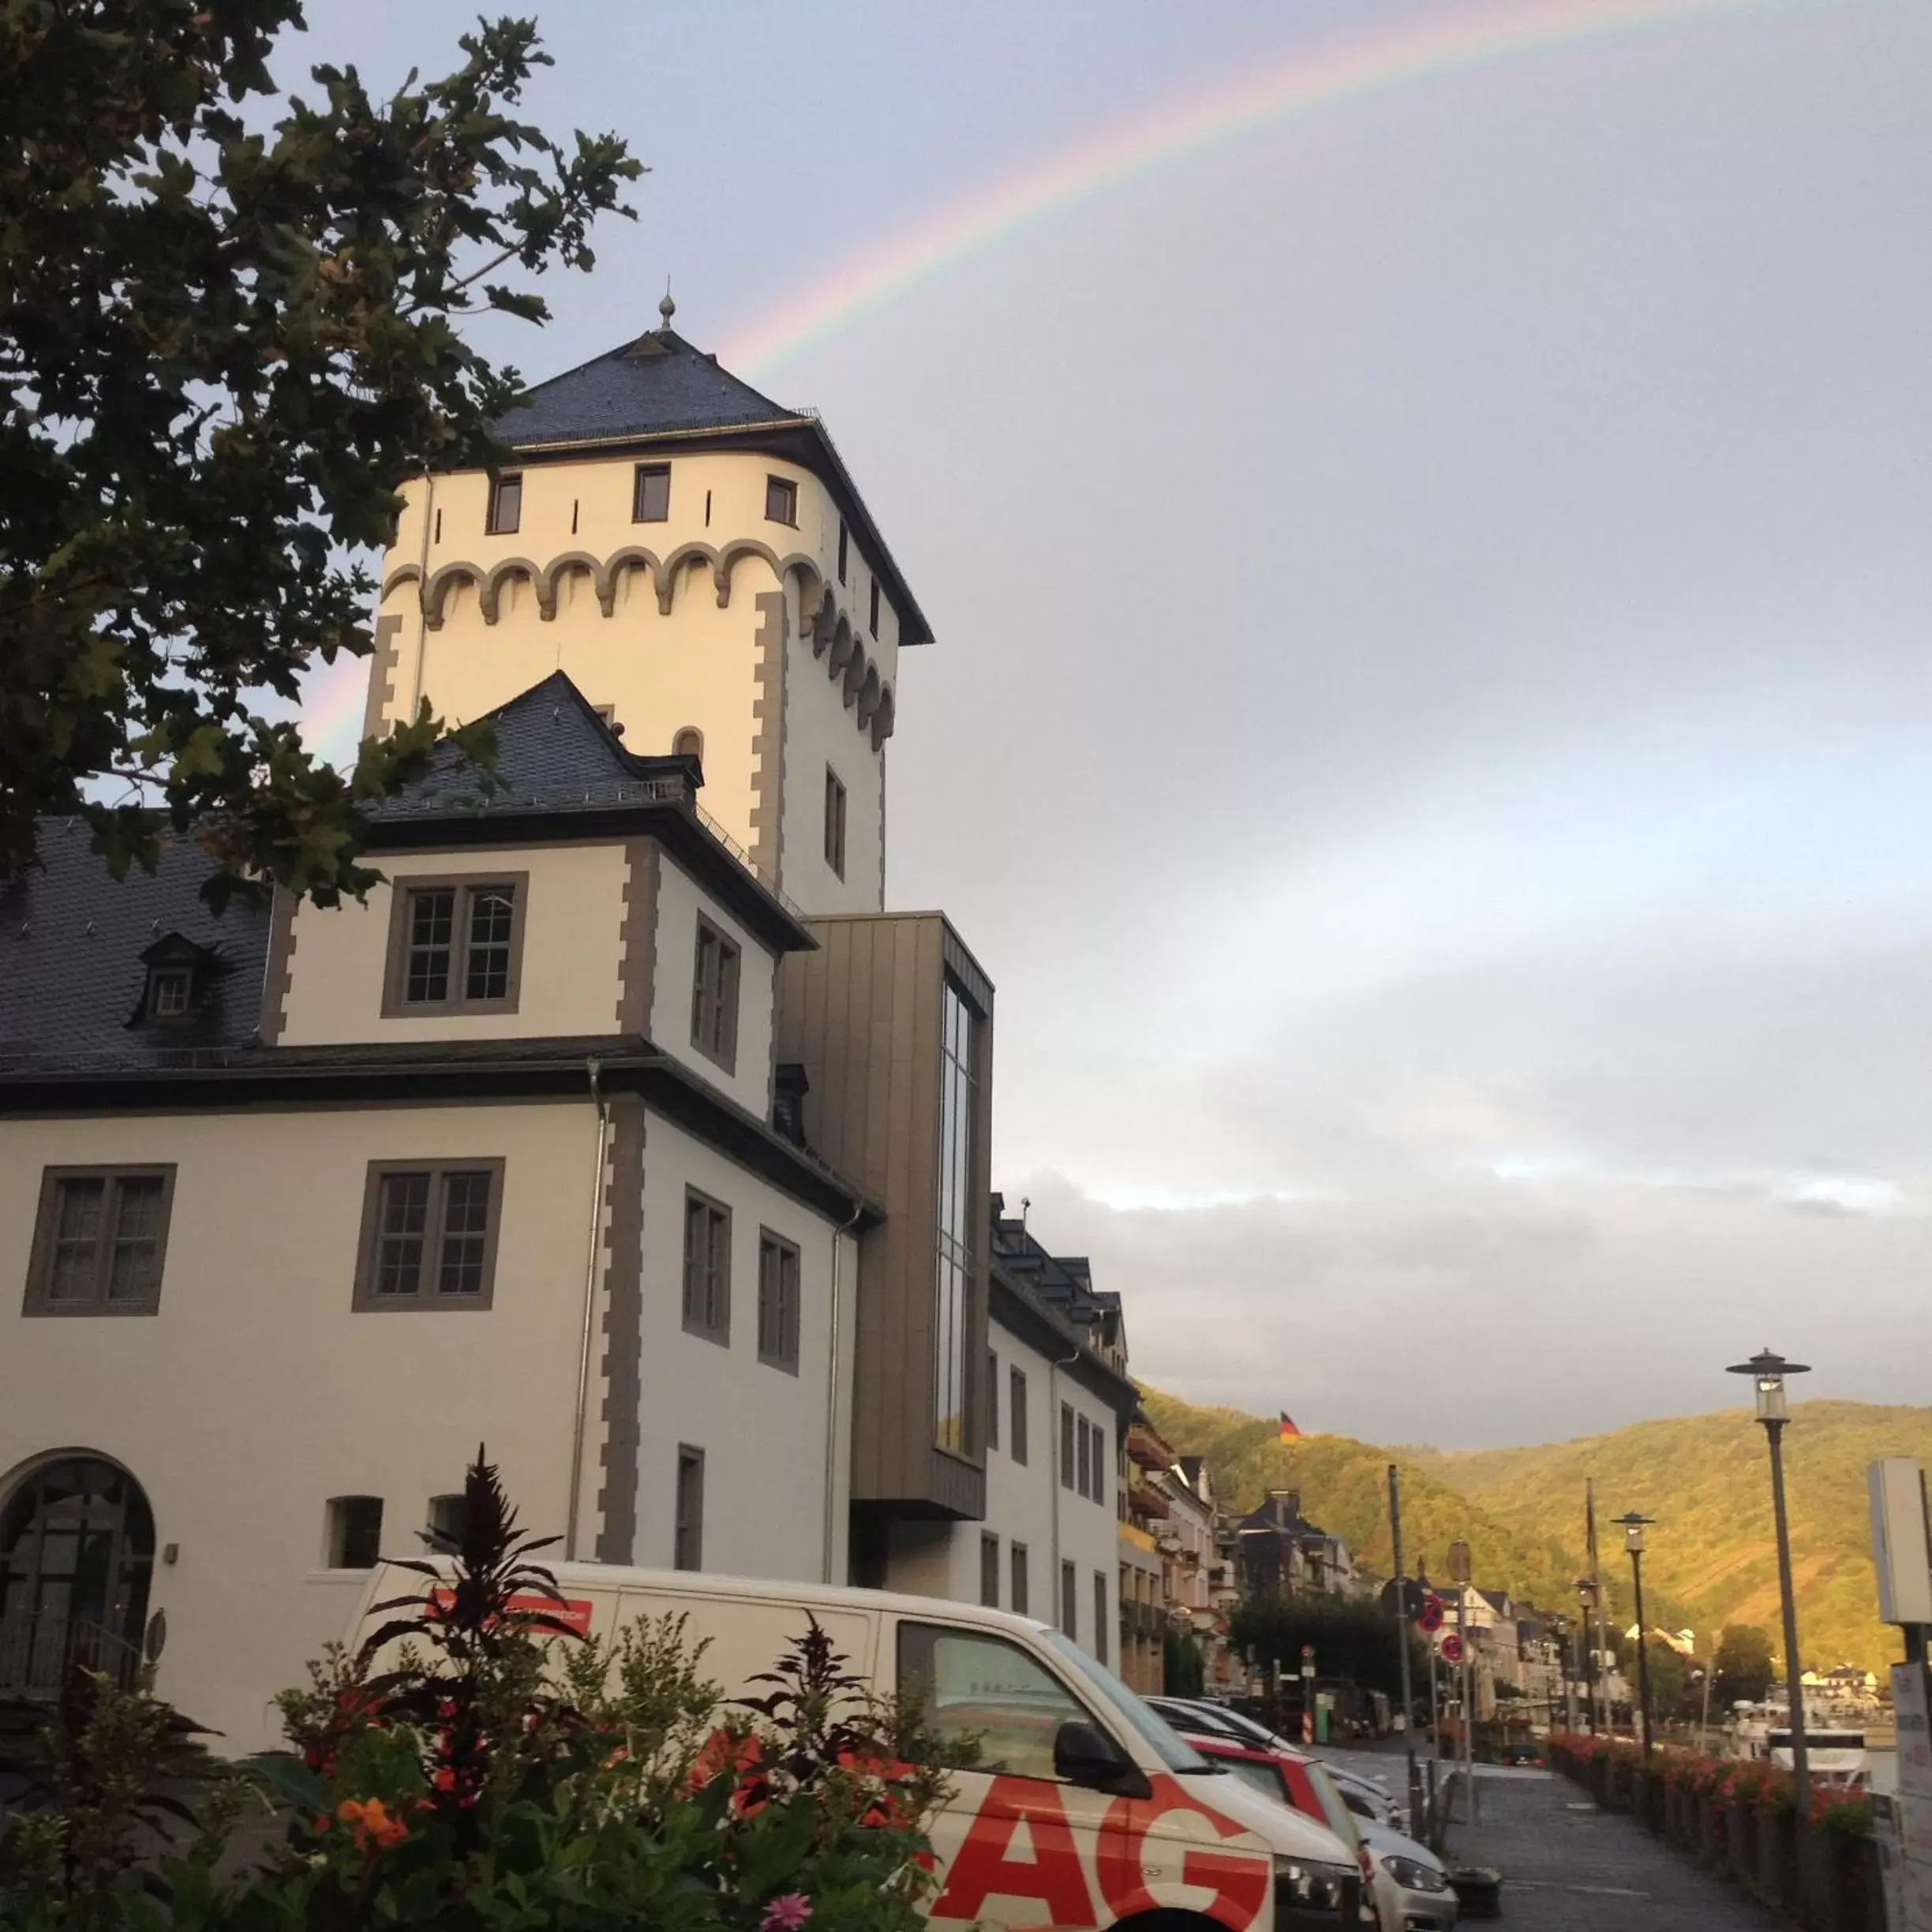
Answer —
675 566
402 575
558 569
842 643
490 594
869 696
730 557
882 717
822 626
632 556
437 589
855 679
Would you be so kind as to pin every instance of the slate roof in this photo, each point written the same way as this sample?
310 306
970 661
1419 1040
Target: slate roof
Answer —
553 753
657 385
71 938
71 941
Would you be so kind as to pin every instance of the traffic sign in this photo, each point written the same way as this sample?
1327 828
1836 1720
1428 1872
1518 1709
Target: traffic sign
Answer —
1429 1618
1452 1649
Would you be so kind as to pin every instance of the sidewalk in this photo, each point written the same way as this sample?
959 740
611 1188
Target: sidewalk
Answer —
1568 1867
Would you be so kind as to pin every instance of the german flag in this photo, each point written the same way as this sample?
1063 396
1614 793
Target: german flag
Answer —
1289 1431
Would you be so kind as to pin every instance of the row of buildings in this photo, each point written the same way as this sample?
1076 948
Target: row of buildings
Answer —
622 1129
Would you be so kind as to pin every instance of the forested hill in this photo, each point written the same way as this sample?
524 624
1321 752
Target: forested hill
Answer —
1710 1559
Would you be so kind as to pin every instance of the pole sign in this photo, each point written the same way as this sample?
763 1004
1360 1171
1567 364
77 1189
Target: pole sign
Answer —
1429 1618
1452 1649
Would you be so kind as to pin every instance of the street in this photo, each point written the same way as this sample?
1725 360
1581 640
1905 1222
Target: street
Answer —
1569 1867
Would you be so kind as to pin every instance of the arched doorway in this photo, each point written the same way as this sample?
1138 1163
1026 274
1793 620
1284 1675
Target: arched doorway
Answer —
77 1551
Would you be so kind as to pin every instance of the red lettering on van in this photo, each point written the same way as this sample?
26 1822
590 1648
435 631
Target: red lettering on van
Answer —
1239 1881
575 1611
981 1869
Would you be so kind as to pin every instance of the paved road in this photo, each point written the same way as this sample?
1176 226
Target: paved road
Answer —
1568 1867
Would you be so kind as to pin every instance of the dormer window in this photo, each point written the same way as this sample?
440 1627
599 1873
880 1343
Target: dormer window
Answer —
170 992
179 973
455 946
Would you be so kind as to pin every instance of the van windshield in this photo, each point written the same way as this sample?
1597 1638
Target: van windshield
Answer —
1146 1725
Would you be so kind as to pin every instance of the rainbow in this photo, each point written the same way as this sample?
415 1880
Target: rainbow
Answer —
1216 117
867 280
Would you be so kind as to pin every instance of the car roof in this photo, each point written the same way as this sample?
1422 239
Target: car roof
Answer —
1216 1747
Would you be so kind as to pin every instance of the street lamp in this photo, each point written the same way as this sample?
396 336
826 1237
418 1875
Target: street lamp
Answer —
1633 1527
1767 1372
1587 1646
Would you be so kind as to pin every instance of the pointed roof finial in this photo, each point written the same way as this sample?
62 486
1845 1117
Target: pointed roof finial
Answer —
667 308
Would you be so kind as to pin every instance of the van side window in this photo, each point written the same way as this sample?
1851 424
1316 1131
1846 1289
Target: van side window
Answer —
974 1685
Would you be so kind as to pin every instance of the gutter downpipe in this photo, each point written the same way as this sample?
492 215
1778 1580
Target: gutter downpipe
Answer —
831 1396
589 1313
422 594
1052 1427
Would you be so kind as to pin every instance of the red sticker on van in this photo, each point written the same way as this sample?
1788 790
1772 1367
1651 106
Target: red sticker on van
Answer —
1239 1881
981 1869
574 1611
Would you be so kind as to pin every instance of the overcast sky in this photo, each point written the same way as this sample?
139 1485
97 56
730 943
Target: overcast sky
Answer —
1428 731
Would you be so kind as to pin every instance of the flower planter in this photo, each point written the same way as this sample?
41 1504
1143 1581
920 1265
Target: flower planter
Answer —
1837 1884
1741 1843
1776 1877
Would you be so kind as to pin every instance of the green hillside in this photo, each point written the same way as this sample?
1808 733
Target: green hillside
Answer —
1710 1558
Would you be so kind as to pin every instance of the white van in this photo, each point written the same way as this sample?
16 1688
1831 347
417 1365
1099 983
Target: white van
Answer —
1086 1811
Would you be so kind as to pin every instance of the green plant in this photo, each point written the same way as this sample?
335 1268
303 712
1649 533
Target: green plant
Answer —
226 342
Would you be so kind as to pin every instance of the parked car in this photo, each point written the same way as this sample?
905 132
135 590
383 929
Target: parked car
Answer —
1064 1747
1196 1716
1406 1881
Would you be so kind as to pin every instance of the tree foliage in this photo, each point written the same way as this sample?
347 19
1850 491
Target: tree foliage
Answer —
226 340
1744 1665
1351 1639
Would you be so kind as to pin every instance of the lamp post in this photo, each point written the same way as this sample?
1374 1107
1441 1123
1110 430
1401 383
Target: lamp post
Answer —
1633 1527
1767 1371
1587 1646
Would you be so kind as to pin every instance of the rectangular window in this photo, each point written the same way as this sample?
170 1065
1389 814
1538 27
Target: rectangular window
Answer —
1100 1616
872 625
993 1404
688 1546
168 988
778 1301
834 822
455 946
842 537
961 1214
354 1533
1018 1605
1069 1601
429 1235
505 506
1016 1414
100 1238
714 997
707 1268
989 1570
447 1516
781 501
1066 1446
1084 1462
650 493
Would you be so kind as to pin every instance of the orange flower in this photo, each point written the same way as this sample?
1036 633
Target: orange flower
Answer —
375 1829
723 1754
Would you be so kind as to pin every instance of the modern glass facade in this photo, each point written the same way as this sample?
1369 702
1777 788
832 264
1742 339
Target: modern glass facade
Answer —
958 1106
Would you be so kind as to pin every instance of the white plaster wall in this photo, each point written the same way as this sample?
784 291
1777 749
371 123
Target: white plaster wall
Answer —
572 928
679 899
820 730
763 1430
695 666
943 1559
257 1393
